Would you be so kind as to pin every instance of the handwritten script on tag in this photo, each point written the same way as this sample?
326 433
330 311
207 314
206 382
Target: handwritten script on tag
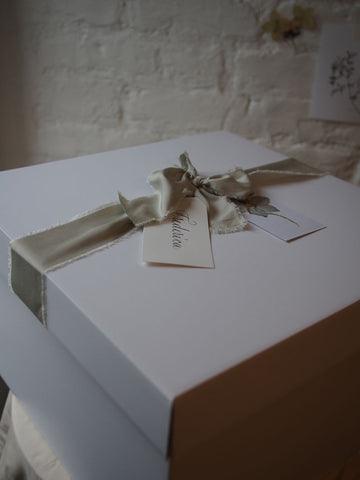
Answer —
183 239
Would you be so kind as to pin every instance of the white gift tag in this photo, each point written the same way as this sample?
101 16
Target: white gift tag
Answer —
183 239
285 224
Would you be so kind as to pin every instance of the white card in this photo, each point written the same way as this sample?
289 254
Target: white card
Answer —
183 239
336 88
293 226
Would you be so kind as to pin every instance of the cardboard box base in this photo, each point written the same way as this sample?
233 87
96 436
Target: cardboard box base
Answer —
212 371
91 436
307 432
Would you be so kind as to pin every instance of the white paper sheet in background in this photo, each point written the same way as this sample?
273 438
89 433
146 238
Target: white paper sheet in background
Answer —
336 92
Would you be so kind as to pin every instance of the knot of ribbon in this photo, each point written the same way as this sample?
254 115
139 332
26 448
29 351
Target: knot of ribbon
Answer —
198 181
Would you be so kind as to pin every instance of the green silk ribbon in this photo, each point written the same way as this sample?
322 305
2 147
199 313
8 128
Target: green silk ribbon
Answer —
173 184
36 254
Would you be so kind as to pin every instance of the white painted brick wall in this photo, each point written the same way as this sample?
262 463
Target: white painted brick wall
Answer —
83 76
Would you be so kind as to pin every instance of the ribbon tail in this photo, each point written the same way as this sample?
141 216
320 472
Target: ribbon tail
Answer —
34 255
285 170
224 216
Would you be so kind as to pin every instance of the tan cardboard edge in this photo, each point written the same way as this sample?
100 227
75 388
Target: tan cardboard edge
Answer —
245 389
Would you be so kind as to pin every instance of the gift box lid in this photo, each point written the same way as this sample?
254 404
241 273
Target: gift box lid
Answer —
168 343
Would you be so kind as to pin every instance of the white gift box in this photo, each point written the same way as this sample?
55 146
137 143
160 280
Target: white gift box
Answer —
173 372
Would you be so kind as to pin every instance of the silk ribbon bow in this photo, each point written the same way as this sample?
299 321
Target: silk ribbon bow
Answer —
36 254
173 184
